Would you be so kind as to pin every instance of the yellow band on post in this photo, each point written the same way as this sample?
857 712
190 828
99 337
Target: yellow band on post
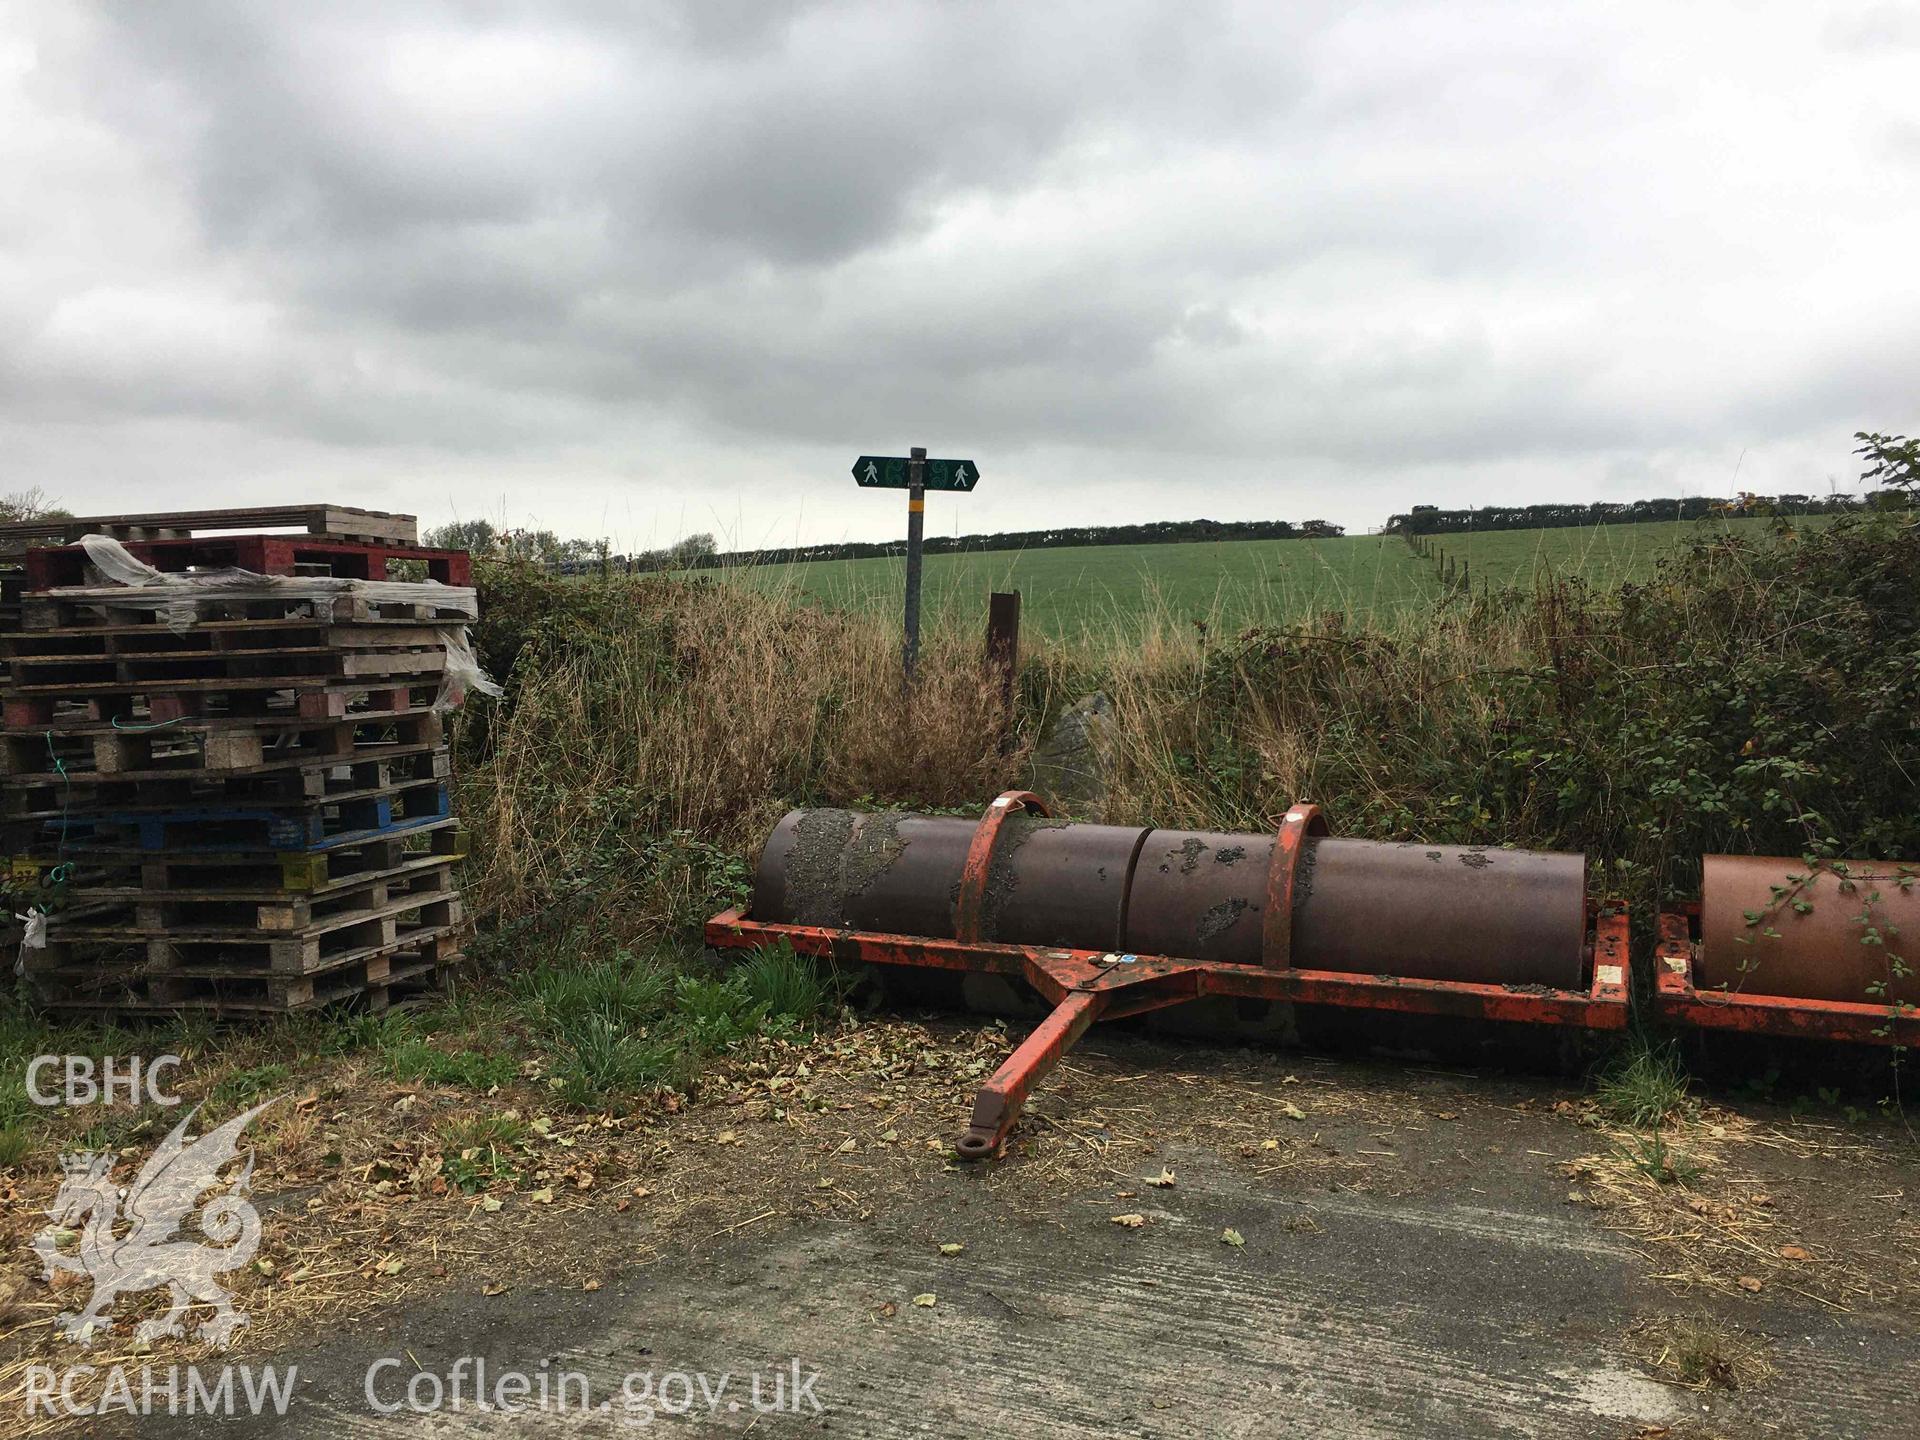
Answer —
914 507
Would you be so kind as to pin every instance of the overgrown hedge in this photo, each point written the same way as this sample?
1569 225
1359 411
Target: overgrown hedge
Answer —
1759 695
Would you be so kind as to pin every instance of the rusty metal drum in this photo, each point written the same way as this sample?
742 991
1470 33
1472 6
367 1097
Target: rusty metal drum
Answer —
1437 912
1199 894
1442 912
1429 912
1051 882
1771 926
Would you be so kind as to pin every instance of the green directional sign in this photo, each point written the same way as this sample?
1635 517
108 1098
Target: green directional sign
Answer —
889 472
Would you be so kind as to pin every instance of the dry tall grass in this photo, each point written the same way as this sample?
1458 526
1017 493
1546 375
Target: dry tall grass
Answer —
679 727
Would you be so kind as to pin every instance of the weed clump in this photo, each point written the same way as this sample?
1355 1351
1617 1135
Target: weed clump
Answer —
1644 1086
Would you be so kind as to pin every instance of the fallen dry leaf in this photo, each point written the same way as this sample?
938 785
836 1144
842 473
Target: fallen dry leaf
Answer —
926 1301
1163 1179
1130 1222
1233 1237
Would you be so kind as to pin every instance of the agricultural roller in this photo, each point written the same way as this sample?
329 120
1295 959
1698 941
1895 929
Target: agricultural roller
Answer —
1826 951
1109 921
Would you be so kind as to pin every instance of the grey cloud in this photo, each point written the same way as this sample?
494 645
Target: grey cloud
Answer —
1385 248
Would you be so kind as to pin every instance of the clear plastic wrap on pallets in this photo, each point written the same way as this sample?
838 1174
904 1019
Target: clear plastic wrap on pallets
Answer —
178 597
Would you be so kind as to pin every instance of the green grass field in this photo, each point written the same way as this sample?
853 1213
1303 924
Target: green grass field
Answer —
1104 592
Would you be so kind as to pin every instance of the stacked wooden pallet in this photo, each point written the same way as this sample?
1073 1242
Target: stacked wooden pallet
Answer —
234 797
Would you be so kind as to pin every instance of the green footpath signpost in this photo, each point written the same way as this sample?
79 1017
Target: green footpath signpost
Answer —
893 472
915 474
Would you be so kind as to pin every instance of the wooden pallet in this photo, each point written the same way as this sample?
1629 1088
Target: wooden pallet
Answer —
253 875
12 583
272 881
61 566
343 521
126 605
417 966
263 700
224 828
278 911
356 927
143 628
235 745
109 660
308 782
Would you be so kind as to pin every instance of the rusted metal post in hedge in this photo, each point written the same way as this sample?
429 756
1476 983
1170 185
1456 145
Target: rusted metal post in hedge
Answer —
915 474
1003 651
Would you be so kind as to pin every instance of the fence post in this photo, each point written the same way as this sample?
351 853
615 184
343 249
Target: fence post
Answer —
1003 650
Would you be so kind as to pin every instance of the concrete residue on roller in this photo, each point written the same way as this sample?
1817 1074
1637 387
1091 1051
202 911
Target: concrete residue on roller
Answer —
1015 831
1191 849
876 845
834 859
1475 859
1303 874
1229 854
813 866
1218 919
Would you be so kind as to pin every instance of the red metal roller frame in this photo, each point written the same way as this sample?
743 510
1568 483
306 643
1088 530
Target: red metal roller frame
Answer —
1677 999
970 905
1276 923
1089 985
999 1102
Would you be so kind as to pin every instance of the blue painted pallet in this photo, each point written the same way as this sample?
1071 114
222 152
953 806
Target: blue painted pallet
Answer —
186 831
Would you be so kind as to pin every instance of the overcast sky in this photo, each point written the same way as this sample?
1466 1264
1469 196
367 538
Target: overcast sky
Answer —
634 269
